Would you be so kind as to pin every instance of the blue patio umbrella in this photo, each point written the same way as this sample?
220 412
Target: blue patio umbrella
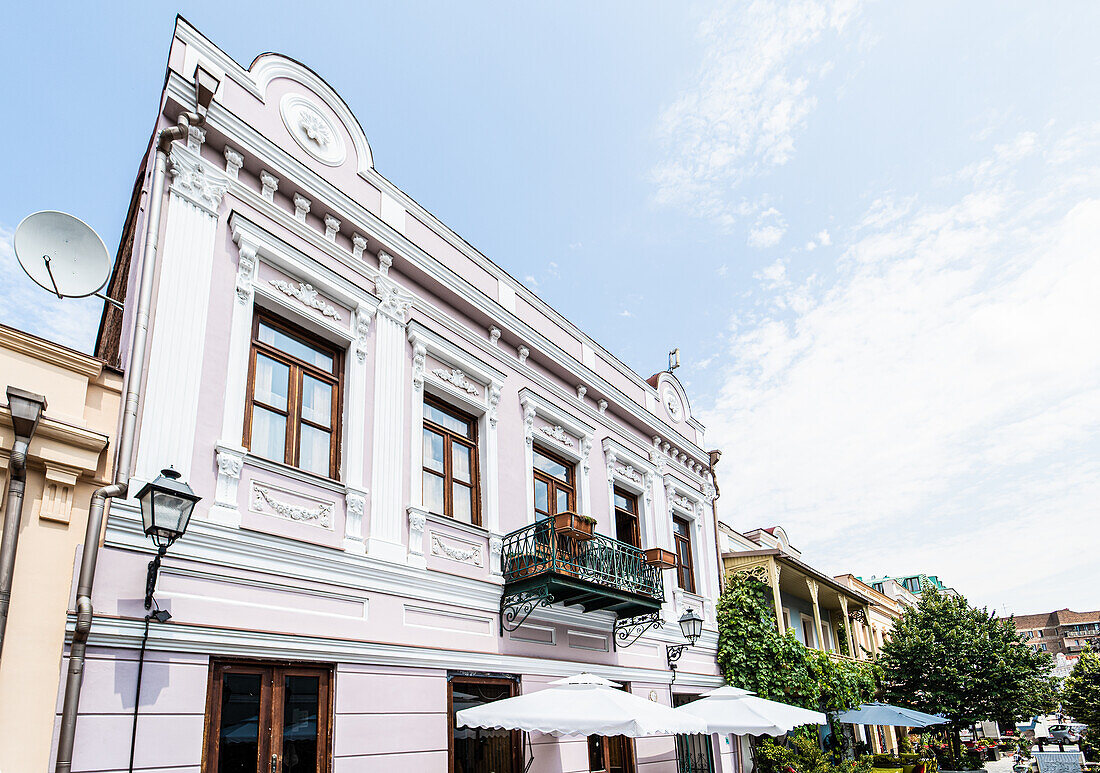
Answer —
890 716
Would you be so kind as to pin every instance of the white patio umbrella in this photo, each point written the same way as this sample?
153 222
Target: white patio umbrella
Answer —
581 705
733 710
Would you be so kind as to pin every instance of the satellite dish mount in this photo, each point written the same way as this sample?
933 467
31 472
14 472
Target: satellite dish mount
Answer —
64 255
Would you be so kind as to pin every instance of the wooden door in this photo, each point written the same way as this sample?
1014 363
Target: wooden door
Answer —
268 718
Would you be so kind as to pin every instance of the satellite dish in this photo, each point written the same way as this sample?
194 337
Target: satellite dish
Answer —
62 254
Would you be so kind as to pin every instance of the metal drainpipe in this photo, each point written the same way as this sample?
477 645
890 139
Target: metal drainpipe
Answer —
715 456
26 409
134 375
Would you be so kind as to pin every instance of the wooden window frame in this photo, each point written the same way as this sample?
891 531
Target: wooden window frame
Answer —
632 515
449 437
684 569
554 484
271 691
517 741
298 369
631 763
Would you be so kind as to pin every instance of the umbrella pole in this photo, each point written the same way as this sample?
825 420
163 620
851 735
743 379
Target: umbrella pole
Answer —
529 751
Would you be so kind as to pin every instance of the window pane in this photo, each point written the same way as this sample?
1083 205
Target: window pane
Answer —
433 492
294 347
542 496
462 501
681 527
314 450
239 734
477 750
551 467
460 462
563 501
272 379
316 401
433 450
268 434
626 501
300 698
448 420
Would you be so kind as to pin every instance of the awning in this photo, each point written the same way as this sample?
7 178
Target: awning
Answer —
737 711
581 705
890 716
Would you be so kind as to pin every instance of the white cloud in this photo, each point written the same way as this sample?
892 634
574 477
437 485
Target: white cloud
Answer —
747 103
937 408
24 305
824 239
625 313
722 270
768 229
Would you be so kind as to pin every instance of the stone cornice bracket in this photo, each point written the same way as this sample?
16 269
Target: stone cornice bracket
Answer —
385 260
523 353
393 302
494 402
332 227
358 246
494 335
269 184
811 585
246 270
363 316
195 180
234 160
529 423
301 207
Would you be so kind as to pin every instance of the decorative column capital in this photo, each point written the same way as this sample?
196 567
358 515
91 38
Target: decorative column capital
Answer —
494 401
363 315
394 302
195 180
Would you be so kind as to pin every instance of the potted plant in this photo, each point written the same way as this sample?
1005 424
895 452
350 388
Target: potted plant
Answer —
570 524
659 557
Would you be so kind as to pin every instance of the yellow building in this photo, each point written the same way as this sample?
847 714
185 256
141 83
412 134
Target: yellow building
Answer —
66 461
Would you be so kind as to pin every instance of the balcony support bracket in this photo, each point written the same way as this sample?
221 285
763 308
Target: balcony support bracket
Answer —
630 629
515 608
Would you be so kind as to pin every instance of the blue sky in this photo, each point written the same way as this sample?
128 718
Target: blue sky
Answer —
870 227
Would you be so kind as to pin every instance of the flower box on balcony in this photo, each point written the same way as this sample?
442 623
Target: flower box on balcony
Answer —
570 524
660 558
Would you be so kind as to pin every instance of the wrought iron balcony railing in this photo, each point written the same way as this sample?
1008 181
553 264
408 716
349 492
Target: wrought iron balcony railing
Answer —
539 549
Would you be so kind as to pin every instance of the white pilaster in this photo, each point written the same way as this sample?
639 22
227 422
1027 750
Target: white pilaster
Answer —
225 511
387 511
170 407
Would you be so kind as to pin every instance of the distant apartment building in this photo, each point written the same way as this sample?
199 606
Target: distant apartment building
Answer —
913 583
1063 631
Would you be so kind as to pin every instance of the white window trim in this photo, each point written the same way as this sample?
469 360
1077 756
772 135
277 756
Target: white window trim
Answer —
539 413
803 619
685 502
631 472
257 246
487 381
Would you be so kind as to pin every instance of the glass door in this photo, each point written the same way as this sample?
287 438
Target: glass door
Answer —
265 718
693 752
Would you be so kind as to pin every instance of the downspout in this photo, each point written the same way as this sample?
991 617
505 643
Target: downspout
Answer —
134 377
715 457
26 409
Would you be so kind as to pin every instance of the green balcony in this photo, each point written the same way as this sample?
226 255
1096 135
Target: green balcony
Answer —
544 565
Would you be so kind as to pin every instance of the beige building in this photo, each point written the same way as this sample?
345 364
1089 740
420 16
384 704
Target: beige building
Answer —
68 458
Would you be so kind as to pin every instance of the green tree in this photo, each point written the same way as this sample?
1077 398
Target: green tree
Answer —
1081 699
947 657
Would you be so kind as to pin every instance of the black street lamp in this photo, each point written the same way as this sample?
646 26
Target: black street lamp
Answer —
691 625
166 507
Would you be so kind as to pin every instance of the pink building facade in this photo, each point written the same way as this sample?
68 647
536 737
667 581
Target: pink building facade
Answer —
382 425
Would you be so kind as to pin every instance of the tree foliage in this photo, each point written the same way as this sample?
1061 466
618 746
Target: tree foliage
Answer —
1081 693
946 657
753 655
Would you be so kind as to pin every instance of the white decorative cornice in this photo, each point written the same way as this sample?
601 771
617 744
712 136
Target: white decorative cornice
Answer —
234 160
558 433
305 293
332 227
270 184
195 180
363 316
301 207
523 353
358 245
457 378
581 391
263 498
494 334
601 406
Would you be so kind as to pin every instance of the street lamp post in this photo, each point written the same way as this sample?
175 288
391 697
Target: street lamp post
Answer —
166 507
691 625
